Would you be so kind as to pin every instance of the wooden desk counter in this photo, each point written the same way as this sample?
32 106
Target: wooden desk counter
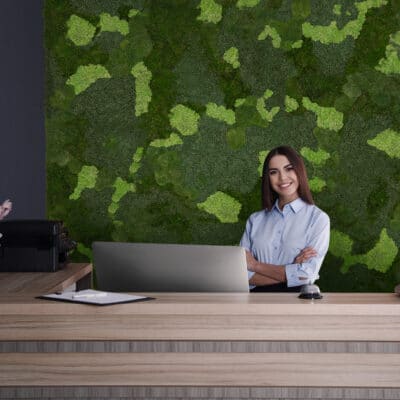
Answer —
201 346
207 316
26 284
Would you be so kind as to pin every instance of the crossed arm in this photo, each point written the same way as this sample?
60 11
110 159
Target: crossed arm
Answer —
269 274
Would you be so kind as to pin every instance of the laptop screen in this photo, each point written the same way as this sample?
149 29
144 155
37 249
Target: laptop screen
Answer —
154 267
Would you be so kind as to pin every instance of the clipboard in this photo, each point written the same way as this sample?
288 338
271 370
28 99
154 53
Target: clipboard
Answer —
95 297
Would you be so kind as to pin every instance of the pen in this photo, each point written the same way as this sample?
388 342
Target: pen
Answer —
88 295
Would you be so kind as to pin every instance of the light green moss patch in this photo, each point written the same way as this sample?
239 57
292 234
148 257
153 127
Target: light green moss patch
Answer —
325 34
109 23
86 180
271 32
220 113
122 187
231 56
85 76
391 63
297 44
239 102
261 158
337 9
316 184
332 34
387 141
142 88
327 117
172 140
113 208
85 251
381 256
267 115
395 39
247 3
291 104
340 244
223 206
184 119
133 12
137 157
318 157
80 31
267 94
210 11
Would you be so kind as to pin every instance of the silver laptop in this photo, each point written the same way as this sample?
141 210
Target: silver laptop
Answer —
150 267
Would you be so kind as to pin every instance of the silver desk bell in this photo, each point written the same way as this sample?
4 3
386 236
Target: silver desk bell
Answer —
310 291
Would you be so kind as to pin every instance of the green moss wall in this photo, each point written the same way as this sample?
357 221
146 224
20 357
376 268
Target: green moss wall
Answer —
159 114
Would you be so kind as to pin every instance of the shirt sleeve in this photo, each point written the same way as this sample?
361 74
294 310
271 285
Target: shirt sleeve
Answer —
245 242
319 241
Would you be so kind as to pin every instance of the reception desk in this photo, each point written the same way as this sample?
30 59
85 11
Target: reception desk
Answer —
202 346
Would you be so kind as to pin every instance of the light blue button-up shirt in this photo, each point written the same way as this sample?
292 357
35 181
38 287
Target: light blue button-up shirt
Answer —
277 237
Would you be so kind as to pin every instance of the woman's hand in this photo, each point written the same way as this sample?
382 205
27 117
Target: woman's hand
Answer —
5 208
305 255
251 261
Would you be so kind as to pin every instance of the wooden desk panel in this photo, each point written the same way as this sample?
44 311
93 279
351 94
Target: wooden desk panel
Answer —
201 369
198 327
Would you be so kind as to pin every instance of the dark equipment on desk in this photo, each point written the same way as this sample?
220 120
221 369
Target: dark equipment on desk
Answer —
33 246
310 291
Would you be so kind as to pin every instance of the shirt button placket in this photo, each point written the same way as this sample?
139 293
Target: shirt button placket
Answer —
278 238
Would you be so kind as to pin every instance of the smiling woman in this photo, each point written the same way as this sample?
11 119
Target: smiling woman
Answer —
287 241
283 179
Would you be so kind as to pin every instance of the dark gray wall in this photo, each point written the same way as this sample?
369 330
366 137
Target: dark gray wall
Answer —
22 135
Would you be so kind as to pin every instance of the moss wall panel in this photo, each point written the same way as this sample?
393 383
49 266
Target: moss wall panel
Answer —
160 112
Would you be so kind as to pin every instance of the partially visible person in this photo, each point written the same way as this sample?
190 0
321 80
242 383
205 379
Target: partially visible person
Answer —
5 209
288 239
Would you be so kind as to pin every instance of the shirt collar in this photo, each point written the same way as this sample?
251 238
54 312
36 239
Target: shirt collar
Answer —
295 205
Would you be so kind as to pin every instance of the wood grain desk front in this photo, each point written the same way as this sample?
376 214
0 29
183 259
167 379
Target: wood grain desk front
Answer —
355 317
202 345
